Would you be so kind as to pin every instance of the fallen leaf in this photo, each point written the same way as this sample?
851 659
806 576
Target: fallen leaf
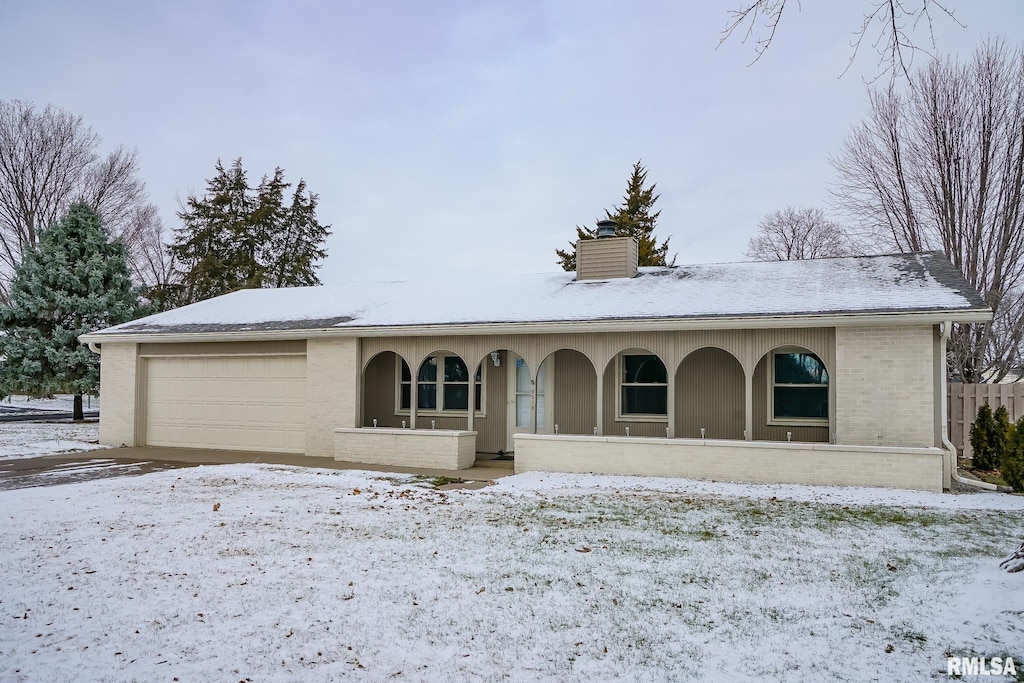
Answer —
584 549
216 507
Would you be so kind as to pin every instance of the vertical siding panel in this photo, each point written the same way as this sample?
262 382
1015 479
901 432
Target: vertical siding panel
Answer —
379 392
710 393
491 430
575 393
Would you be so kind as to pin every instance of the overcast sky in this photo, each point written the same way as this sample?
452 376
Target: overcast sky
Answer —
469 136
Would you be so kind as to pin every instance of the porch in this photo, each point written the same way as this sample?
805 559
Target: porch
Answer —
745 385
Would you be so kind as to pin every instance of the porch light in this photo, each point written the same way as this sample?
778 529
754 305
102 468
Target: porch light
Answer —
595 431
496 358
789 436
403 424
433 424
375 422
702 431
556 429
627 431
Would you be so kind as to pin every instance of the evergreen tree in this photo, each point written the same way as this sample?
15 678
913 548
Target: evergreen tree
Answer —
75 281
299 244
235 237
1012 463
981 433
635 218
207 246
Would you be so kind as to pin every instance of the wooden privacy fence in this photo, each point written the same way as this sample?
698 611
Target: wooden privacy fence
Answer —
963 401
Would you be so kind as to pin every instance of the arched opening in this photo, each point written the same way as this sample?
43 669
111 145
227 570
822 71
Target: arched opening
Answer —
440 389
380 397
710 395
791 398
496 396
636 394
567 393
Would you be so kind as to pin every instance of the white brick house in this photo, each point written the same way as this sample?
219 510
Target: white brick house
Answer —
827 371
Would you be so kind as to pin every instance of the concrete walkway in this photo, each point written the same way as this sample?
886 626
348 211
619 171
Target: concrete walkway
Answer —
485 471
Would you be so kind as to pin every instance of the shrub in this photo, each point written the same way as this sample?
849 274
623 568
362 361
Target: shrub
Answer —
998 439
982 429
1012 463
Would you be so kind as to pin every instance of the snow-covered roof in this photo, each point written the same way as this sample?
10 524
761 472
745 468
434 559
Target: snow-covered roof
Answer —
905 283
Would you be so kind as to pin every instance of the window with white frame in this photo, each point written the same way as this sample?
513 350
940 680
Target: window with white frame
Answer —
442 385
798 388
643 386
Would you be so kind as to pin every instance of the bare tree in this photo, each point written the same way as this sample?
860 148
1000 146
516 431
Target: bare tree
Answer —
48 160
796 234
939 165
150 261
896 22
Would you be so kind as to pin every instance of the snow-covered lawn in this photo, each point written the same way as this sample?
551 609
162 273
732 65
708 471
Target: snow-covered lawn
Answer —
31 439
269 573
60 402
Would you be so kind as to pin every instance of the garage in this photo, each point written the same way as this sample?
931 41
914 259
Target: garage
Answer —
245 402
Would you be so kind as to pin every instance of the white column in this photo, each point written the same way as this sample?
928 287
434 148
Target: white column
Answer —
472 396
534 372
748 403
600 402
671 405
413 397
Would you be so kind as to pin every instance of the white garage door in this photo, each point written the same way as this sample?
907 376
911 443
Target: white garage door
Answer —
251 403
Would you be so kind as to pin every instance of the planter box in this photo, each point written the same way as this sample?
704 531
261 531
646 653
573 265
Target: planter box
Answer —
443 449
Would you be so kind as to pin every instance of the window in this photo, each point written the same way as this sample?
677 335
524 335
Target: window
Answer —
799 388
643 386
447 390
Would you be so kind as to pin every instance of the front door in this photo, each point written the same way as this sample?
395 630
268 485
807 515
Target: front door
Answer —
523 396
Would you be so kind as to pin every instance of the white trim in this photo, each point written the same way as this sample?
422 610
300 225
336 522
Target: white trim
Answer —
619 384
618 325
794 421
257 354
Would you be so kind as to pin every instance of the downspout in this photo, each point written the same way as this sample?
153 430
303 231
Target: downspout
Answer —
944 330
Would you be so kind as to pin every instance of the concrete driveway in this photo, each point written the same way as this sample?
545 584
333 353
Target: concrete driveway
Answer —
52 470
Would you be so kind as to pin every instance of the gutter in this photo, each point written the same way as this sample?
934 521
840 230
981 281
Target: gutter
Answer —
946 328
554 327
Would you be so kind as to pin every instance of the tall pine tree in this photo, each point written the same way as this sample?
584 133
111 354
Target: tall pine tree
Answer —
237 237
635 219
74 281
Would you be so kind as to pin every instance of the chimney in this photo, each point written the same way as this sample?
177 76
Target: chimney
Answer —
607 256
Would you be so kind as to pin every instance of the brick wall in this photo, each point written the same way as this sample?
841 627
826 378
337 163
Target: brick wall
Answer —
884 386
426 448
118 373
332 391
748 461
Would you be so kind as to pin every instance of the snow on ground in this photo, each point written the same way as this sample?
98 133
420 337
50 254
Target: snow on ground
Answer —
268 573
583 484
59 402
32 439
